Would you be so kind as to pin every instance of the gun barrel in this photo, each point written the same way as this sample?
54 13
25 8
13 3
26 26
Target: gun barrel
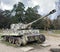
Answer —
51 12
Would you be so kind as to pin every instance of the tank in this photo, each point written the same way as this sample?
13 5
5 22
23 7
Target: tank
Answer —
21 34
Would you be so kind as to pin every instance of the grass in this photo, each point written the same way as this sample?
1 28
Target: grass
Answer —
43 31
56 31
0 36
53 31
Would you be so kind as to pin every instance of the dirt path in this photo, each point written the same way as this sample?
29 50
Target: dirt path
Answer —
53 41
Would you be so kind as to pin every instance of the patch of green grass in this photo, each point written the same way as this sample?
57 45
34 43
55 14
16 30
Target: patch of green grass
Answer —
43 31
0 36
56 31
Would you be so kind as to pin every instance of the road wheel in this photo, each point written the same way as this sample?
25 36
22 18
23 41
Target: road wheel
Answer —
24 40
4 38
10 40
41 39
18 42
13 40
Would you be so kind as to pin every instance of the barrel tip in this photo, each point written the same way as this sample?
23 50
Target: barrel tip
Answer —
53 11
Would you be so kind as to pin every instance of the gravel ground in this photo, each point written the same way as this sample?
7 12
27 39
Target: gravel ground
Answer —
53 41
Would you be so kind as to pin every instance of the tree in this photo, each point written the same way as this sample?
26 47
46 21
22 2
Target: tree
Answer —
47 23
19 12
35 8
58 22
7 13
4 22
55 23
31 15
